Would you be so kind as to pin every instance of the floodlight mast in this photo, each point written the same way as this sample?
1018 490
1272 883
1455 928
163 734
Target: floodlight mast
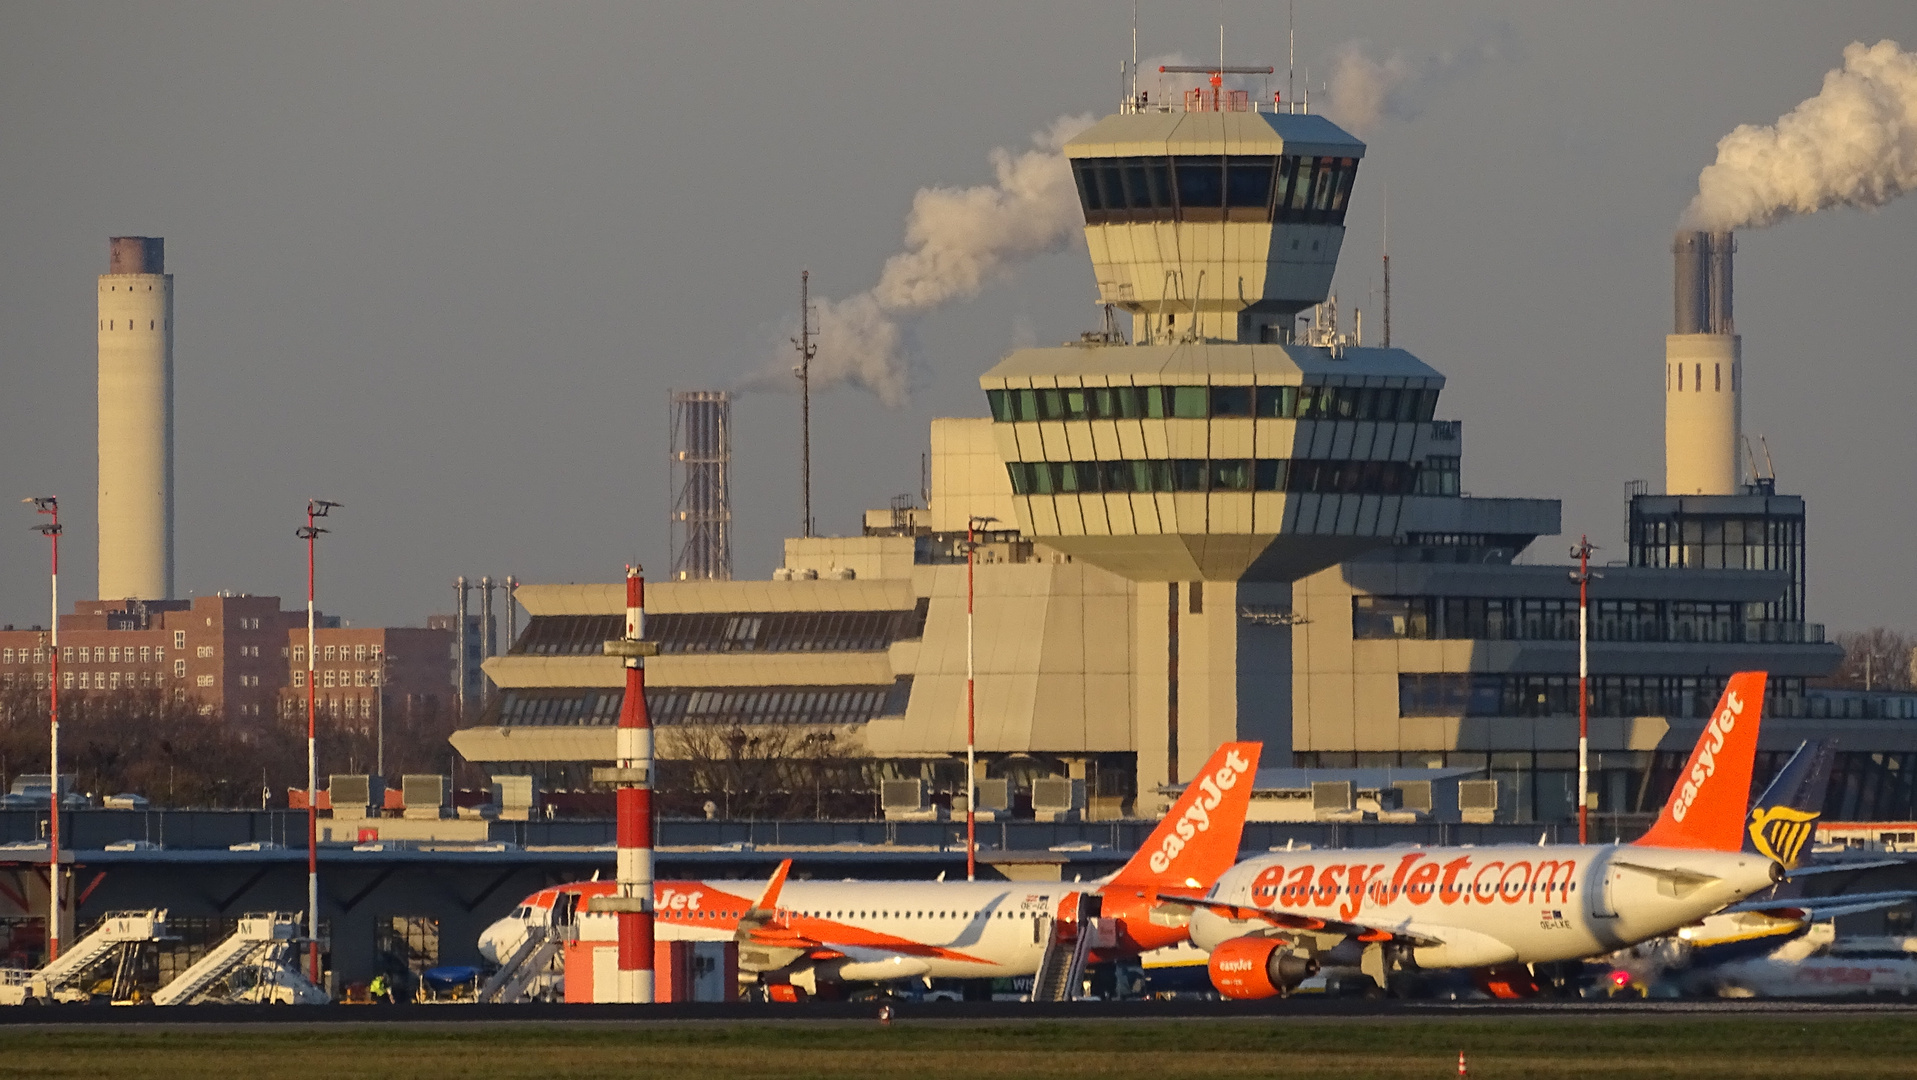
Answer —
315 509
975 525
50 505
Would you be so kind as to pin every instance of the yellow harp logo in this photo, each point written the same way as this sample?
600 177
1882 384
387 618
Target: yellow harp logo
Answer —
1780 832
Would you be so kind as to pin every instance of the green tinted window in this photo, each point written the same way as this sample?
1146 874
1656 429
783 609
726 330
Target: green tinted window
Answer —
1280 402
1233 474
1001 405
1188 402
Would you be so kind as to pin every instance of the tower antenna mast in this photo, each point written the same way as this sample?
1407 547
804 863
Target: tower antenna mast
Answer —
807 350
1387 264
1291 33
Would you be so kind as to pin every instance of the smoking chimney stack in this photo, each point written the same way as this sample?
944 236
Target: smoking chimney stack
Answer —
1703 371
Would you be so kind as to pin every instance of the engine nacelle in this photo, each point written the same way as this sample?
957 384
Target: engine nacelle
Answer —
1248 968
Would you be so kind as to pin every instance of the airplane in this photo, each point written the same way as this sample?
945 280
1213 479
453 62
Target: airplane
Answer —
807 933
1779 926
1818 964
1271 920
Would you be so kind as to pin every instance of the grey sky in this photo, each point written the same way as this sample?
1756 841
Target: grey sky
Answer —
443 261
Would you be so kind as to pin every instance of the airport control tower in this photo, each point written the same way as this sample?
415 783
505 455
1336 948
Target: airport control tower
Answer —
1227 448
1221 441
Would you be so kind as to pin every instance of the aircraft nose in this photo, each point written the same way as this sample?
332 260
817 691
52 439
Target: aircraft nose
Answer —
492 939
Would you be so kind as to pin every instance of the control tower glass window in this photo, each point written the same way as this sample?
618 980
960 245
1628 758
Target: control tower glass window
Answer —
1248 182
1305 190
1201 183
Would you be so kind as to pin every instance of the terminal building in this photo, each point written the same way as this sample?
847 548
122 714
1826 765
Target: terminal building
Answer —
1236 522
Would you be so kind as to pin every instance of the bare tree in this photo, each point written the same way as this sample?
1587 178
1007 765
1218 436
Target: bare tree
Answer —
761 771
1876 659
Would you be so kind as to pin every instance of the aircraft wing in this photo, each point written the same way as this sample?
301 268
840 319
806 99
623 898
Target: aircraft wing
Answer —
1839 867
1295 920
1817 908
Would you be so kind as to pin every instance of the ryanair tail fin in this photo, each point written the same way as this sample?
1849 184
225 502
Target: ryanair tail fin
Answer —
1707 807
1784 818
1198 839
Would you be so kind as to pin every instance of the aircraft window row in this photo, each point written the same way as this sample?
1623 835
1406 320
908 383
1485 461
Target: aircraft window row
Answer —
1387 404
1304 190
1456 694
1506 618
1220 475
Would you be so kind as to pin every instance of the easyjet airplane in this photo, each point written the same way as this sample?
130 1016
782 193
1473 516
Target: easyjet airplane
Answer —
1270 919
808 932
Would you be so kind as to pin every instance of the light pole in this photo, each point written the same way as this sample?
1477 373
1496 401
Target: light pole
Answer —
315 509
50 505
973 527
1582 575
379 745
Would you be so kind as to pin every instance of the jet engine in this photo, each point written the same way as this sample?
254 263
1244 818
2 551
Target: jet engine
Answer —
1247 968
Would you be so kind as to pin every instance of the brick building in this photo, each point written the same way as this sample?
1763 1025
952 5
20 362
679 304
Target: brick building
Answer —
233 655
414 667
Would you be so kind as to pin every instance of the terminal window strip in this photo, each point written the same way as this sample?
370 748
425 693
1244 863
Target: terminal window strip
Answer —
1396 402
1521 695
1437 476
668 706
725 632
1510 618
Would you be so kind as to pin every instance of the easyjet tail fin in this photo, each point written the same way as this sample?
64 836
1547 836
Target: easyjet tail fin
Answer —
1783 819
1198 839
1706 808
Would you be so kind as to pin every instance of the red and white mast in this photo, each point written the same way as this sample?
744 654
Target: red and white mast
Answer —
631 775
50 505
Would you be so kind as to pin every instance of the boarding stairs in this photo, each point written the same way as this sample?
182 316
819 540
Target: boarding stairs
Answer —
527 964
1068 948
118 937
262 939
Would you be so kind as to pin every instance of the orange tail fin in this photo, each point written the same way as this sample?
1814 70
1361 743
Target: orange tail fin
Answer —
1706 809
1198 839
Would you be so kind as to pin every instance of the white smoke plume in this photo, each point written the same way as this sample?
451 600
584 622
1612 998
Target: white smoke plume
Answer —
957 241
1854 144
1365 90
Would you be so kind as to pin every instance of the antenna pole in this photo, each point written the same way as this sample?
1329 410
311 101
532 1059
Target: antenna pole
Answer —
1291 63
807 350
1133 103
1387 264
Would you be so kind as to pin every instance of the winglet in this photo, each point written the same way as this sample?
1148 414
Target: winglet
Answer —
1198 839
1706 809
